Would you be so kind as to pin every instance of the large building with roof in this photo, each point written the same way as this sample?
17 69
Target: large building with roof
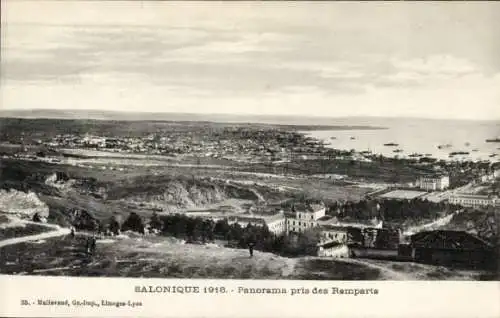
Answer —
275 223
452 248
474 200
435 183
306 216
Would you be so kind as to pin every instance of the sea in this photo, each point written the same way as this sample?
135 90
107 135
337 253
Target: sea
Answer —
411 136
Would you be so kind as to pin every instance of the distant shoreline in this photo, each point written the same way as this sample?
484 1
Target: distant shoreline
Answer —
295 127
288 119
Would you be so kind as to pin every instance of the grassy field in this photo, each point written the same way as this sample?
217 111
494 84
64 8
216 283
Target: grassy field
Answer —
160 257
166 258
431 272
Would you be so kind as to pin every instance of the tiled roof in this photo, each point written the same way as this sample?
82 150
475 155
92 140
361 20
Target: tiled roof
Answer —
449 240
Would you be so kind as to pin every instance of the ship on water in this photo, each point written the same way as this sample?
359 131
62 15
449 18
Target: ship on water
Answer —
446 146
493 140
455 153
415 155
397 150
391 144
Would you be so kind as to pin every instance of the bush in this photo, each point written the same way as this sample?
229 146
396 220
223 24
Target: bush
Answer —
133 223
114 226
155 222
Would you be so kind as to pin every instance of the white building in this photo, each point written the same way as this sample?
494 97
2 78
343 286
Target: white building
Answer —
275 223
306 217
471 200
333 234
490 177
496 174
438 183
333 250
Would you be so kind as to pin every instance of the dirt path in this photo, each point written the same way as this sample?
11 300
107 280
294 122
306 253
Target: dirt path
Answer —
387 273
58 231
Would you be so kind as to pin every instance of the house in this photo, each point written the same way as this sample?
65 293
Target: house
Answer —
331 233
333 241
276 223
436 183
450 248
349 241
333 249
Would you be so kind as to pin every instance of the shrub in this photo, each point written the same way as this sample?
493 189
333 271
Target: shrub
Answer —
133 223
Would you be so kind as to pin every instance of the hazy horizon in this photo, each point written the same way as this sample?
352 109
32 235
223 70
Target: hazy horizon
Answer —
284 119
324 59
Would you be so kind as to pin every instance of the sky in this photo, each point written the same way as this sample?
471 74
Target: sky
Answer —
328 59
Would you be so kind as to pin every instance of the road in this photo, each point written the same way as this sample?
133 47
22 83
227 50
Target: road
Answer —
387 273
58 231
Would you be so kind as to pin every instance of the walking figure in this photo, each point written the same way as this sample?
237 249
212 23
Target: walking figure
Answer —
87 246
250 248
72 232
91 243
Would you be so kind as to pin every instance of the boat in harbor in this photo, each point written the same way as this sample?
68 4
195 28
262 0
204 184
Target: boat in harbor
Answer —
456 153
444 146
333 138
352 138
415 155
475 150
391 144
397 150
493 140
493 155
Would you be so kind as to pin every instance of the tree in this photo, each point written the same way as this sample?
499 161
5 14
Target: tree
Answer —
236 232
221 228
155 222
133 223
114 226
207 231
37 218
308 241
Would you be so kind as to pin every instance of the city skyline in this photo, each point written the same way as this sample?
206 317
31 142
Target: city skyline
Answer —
425 60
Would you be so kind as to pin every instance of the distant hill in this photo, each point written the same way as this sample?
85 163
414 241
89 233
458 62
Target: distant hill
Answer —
345 123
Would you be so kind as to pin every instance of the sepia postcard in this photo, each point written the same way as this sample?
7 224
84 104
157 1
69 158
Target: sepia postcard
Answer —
249 159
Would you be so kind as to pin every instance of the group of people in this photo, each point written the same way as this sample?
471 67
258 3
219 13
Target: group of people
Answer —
90 244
